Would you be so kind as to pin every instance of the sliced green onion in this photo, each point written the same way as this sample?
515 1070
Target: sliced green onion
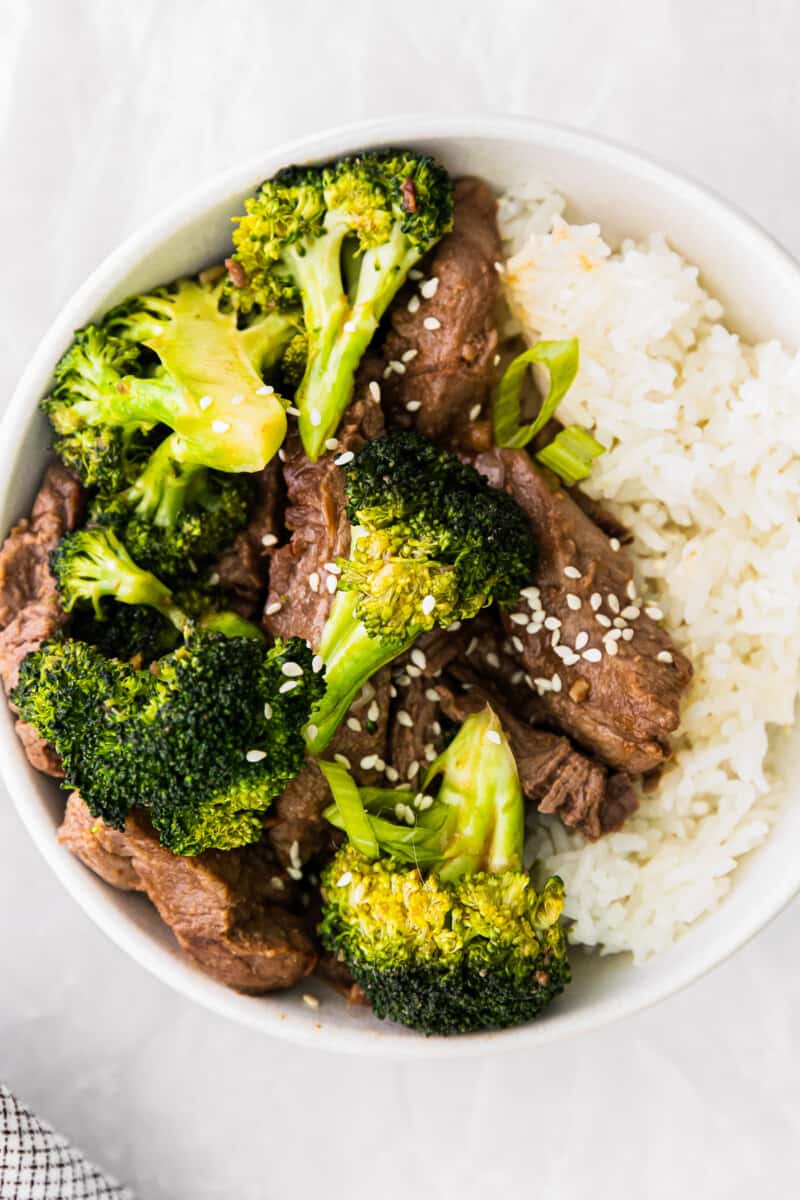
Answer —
561 360
571 454
357 824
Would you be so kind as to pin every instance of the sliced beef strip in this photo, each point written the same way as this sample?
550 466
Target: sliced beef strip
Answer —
554 776
243 567
30 611
622 707
320 531
451 369
415 729
220 906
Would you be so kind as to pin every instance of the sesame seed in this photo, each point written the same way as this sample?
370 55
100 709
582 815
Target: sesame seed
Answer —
342 760
532 593
349 326
603 620
413 671
397 366
354 724
620 623
429 288
310 1000
555 638
472 645
428 604
419 659
373 712
627 635
282 454
497 360
254 756
220 426
294 854
331 584
611 648
213 579
392 774
552 623
592 655
404 718
493 660
205 402
517 677
519 618
345 458
380 765
432 323
581 640
294 873
415 274
572 572
613 602
475 412
664 656
311 732
573 601
494 736
541 685
277 883
289 686
409 355
317 664
392 691
615 544
430 752
555 683
630 590
534 627
436 728
368 761
498 266
453 627
332 568
237 399
569 660
402 679
413 770
313 581
344 879
266 390
413 406
563 651
331 444
273 608
595 600
269 539
413 304
613 635
518 644
292 669
315 417
654 613
630 612
268 711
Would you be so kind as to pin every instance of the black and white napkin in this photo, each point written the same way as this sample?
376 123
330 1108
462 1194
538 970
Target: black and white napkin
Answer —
36 1163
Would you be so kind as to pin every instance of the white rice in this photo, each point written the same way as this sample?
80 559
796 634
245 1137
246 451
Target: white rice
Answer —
703 466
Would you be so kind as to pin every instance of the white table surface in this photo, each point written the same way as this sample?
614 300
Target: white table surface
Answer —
108 111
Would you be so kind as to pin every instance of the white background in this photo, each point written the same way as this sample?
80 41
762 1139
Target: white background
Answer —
108 111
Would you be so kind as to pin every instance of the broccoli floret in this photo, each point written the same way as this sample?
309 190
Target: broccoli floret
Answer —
142 634
432 543
436 920
340 240
204 739
92 566
178 357
174 517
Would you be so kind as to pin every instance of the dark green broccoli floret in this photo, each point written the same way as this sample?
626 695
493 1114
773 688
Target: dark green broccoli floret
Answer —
340 240
176 357
428 904
174 517
204 738
92 566
141 634
432 543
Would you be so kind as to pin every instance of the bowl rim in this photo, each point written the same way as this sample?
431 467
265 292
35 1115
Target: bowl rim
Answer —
82 885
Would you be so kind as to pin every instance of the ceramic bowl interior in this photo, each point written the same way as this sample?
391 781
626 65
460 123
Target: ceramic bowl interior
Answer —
630 197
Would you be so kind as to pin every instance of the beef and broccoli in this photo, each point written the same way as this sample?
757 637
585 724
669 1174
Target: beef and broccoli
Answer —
309 615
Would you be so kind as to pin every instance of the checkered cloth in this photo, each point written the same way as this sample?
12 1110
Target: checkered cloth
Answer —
38 1164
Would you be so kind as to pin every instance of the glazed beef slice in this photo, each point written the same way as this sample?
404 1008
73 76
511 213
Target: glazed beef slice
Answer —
445 343
30 611
223 908
243 567
621 702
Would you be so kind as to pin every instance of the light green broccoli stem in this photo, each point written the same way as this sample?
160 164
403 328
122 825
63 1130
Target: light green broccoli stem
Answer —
481 790
351 656
347 328
159 494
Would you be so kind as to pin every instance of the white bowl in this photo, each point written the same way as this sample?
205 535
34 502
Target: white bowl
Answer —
759 285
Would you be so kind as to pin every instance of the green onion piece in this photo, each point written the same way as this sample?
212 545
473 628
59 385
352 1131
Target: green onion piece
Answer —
349 808
561 360
571 454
